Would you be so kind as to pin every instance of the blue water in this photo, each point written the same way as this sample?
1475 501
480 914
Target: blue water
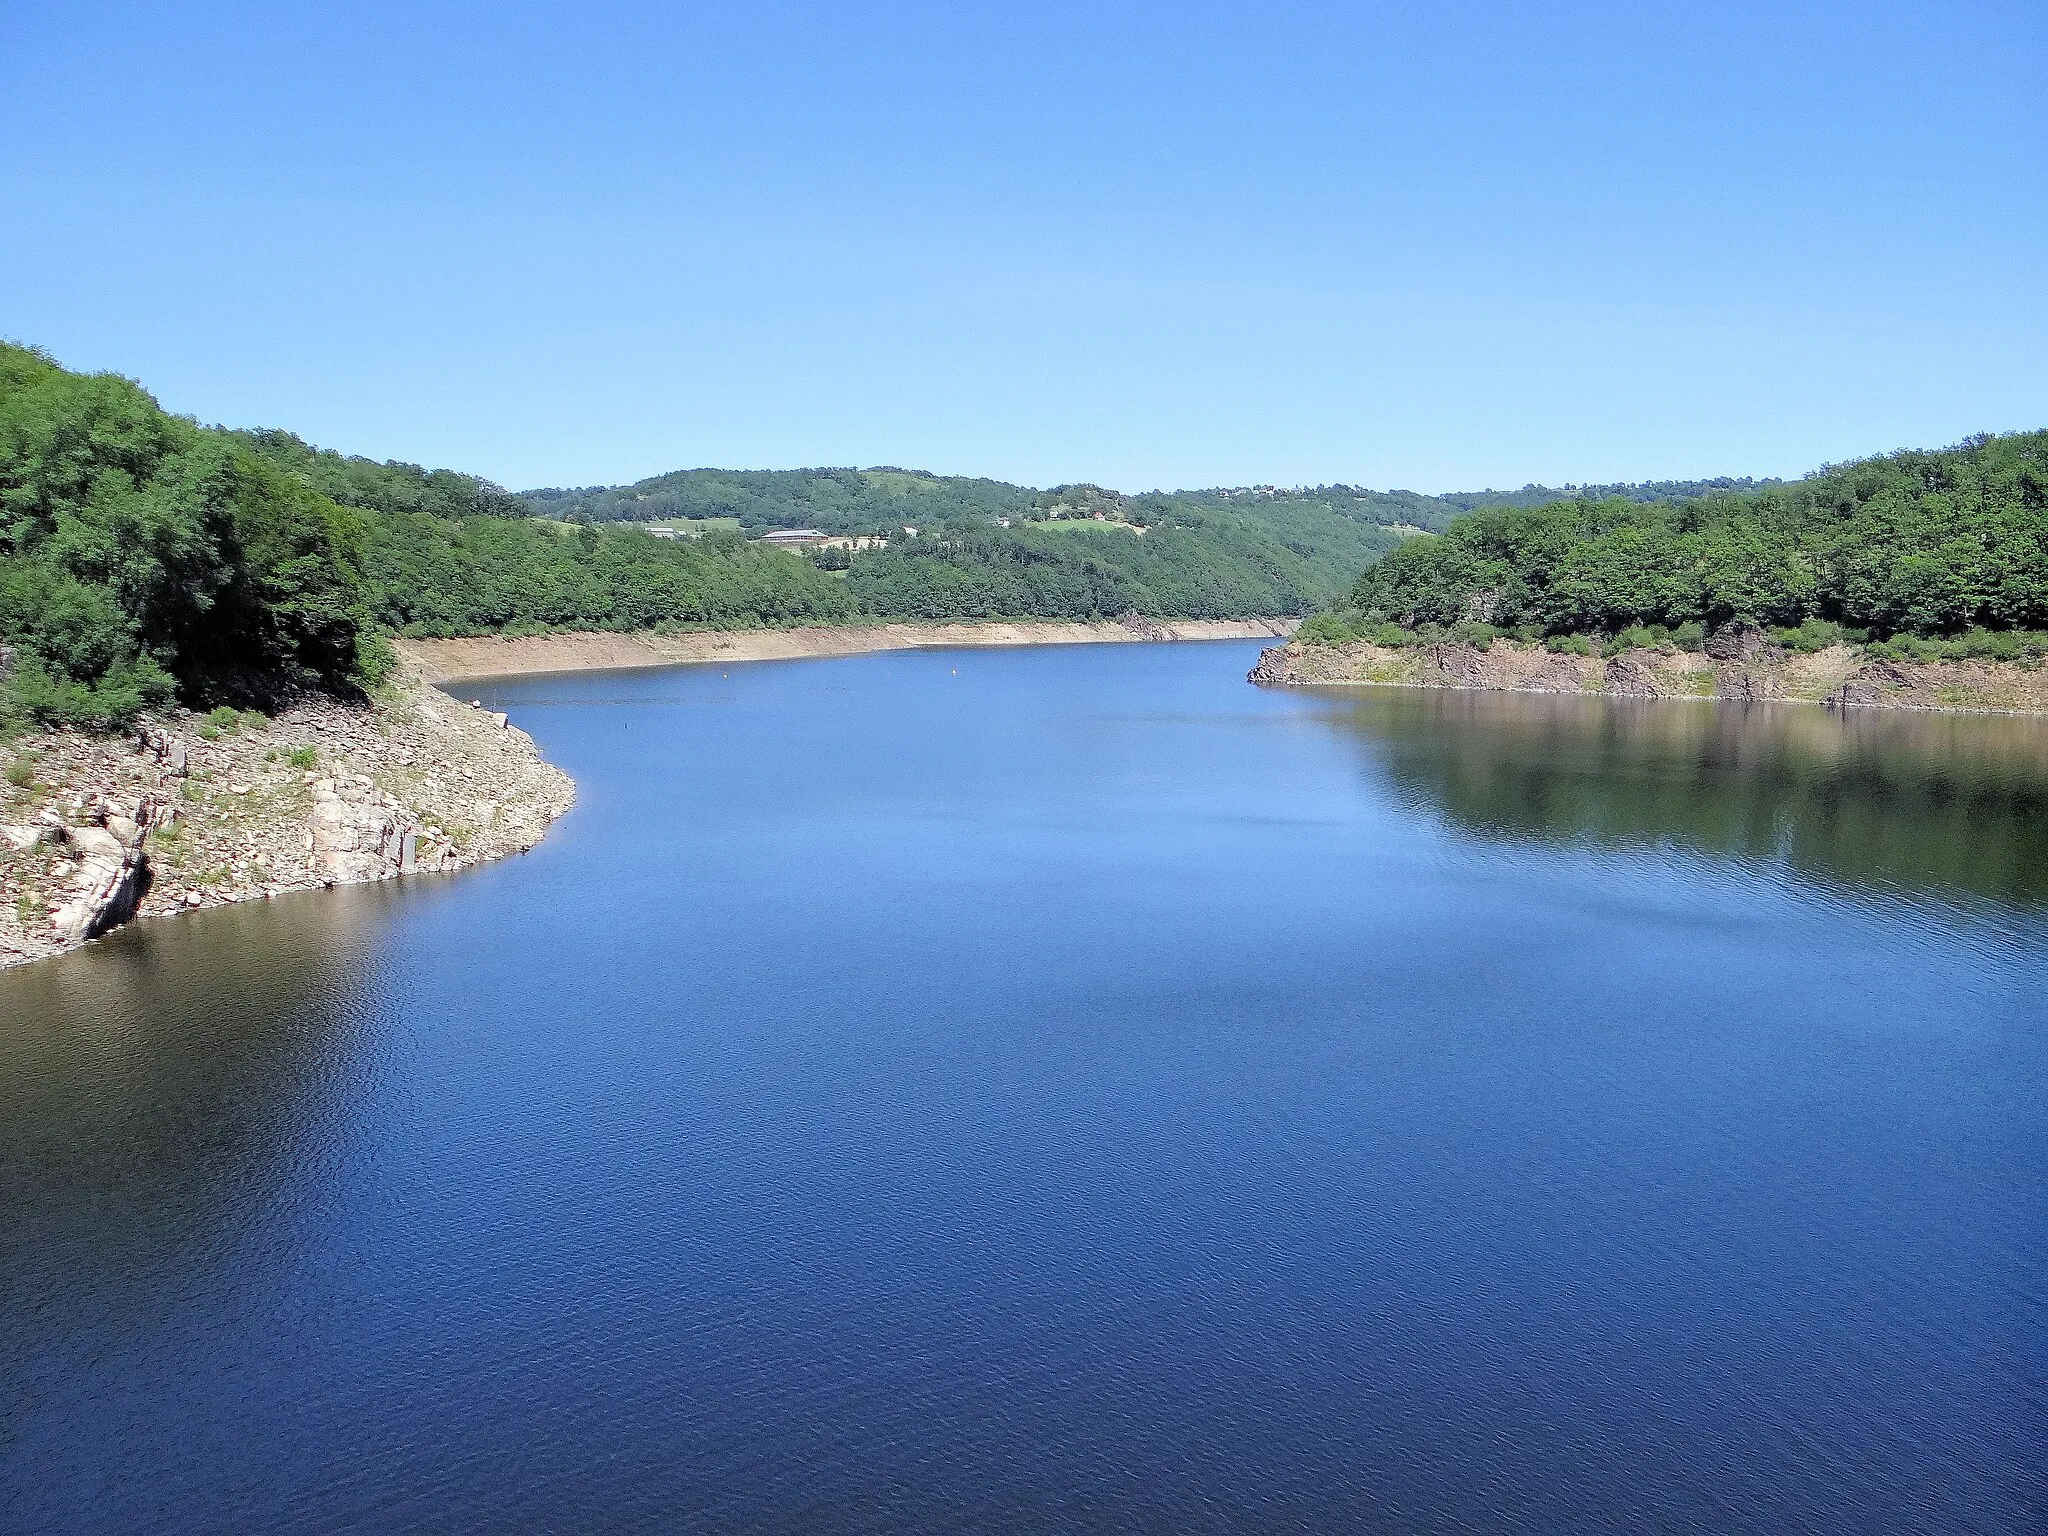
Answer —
1073 1089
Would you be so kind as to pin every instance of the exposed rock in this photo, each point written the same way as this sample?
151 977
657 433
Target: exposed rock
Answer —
1630 677
1870 686
1737 642
111 874
1273 666
360 834
1745 685
159 823
1461 666
1857 693
1839 675
168 750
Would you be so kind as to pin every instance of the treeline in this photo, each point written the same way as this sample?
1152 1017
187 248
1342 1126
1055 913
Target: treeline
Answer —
143 557
435 577
881 500
1918 544
426 575
380 487
832 500
1082 573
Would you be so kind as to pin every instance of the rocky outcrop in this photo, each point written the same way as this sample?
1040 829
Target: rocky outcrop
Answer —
170 751
1739 666
193 812
1629 677
1737 642
110 869
362 833
1872 687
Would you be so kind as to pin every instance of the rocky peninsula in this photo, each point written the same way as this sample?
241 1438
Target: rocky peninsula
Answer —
1743 666
192 811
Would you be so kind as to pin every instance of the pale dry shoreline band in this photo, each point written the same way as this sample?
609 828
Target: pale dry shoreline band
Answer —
497 656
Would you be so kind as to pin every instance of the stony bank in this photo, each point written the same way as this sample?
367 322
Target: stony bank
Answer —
191 811
1744 666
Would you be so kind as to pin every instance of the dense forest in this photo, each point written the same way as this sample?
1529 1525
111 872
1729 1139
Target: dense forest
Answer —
142 557
438 576
386 487
426 575
1908 550
879 500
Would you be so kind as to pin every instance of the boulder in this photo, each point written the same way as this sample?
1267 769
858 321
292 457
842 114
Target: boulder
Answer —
111 873
1630 678
1744 686
357 833
1462 666
168 750
1737 642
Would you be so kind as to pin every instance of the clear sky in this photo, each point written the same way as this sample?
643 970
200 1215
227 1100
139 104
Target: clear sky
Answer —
1438 246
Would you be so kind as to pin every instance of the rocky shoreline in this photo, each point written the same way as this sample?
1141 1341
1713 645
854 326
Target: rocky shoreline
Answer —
1743 667
503 656
193 811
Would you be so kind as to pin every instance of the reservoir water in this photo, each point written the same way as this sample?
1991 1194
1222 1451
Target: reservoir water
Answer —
1071 1089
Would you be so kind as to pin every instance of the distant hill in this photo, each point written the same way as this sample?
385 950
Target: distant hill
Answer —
879 499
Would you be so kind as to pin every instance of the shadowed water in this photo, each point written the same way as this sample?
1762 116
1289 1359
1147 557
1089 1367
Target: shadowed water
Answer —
1072 1089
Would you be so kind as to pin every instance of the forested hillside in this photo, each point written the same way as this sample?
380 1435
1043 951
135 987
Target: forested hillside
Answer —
1913 546
834 500
385 487
143 557
428 575
880 500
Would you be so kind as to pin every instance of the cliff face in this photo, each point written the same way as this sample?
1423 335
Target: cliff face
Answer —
191 813
1744 668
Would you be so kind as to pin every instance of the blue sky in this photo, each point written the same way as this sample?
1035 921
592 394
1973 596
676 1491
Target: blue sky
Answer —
1438 247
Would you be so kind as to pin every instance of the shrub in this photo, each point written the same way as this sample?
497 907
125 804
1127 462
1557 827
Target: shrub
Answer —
1640 637
110 702
1571 645
2025 647
1690 636
1812 635
1324 629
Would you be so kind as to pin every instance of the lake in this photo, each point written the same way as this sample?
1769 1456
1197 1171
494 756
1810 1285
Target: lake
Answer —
1073 1089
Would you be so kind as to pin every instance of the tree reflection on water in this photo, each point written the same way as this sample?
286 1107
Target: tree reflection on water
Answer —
1916 802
